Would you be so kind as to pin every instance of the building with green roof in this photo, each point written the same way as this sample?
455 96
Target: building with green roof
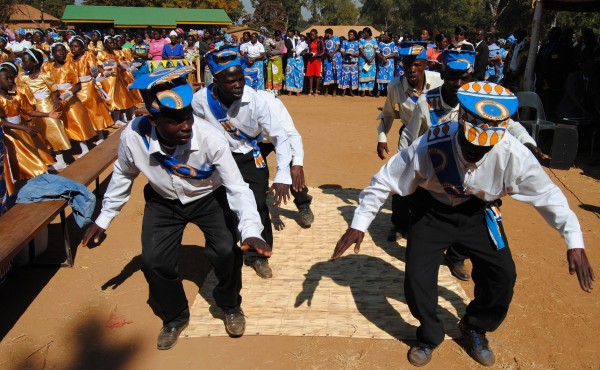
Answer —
141 17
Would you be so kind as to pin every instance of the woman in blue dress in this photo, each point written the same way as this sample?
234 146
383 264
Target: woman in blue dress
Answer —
332 61
366 63
349 51
294 71
398 68
385 62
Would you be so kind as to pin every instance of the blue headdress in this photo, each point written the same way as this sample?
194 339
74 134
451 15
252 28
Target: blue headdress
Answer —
458 60
166 88
222 58
416 49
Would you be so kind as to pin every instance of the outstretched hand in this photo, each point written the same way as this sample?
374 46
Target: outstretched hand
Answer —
93 233
382 150
351 236
298 178
258 245
579 264
282 192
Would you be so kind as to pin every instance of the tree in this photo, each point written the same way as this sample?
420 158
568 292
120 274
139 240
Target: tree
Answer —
269 14
293 9
336 12
53 7
6 10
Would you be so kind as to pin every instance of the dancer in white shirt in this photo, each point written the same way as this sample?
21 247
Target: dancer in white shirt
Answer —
457 172
192 179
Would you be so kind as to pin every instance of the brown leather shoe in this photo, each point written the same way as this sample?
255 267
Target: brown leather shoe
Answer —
235 323
167 338
262 268
458 269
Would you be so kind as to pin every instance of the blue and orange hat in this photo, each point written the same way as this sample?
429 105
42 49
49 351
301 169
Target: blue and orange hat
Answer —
416 49
167 88
222 58
458 60
485 110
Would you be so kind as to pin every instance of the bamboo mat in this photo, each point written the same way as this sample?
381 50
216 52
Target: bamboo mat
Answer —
358 296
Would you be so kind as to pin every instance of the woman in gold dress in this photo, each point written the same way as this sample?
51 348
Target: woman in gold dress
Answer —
40 90
27 155
77 121
95 45
113 82
39 43
127 61
6 54
85 65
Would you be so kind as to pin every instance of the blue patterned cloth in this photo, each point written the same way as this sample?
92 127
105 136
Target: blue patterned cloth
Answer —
367 72
385 71
294 74
333 67
398 68
349 78
257 69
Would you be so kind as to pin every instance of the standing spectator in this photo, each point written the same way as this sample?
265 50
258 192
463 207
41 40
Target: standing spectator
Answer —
481 56
332 66
492 72
203 48
366 63
434 54
156 46
461 34
19 45
294 72
275 64
314 67
350 54
173 50
385 66
254 52
514 68
139 52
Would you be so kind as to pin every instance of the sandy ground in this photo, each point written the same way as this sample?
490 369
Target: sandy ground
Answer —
96 316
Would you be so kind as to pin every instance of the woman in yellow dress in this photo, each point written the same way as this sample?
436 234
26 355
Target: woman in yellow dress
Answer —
40 90
85 65
113 82
77 121
39 43
127 61
6 53
27 155
95 45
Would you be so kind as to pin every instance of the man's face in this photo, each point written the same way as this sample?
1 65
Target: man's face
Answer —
425 35
480 35
414 69
254 38
472 153
174 131
453 80
206 35
230 83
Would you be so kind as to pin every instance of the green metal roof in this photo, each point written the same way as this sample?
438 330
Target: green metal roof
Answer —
125 16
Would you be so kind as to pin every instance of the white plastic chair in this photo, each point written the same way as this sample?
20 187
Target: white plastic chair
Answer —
529 99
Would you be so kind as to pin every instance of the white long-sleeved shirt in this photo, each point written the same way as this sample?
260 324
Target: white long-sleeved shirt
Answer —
509 168
285 120
398 103
420 121
207 147
252 116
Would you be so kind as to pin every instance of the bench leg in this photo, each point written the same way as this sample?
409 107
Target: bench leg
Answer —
67 241
97 191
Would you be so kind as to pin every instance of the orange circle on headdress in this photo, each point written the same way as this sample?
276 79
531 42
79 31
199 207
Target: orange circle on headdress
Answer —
483 138
499 89
494 138
476 87
487 88
472 134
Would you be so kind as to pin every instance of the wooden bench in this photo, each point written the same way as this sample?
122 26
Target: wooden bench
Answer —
22 222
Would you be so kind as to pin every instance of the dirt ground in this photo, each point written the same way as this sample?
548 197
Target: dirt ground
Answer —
96 315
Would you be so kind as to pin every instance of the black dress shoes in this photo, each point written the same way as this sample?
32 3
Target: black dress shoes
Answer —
167 338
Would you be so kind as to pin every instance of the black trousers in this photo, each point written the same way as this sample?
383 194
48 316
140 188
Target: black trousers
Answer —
301 198
162 230
258 180
433 228
401 220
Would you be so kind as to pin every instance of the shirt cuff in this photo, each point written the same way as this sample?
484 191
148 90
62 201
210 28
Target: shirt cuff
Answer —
283 177
297 161
382 137
574 240
104 219
361 223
